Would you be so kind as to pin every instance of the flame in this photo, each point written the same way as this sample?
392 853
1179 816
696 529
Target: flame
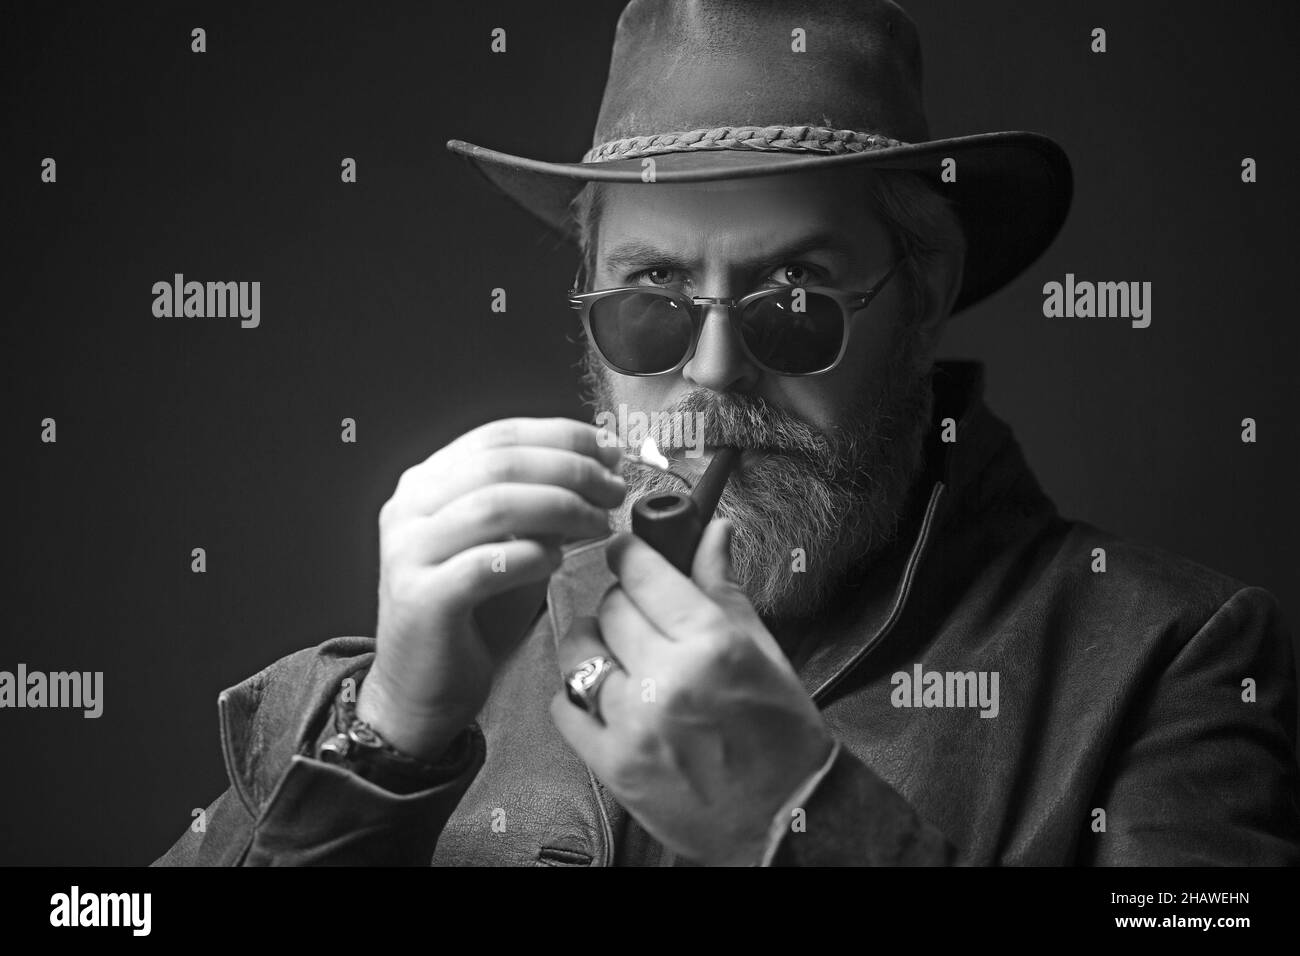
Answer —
649 454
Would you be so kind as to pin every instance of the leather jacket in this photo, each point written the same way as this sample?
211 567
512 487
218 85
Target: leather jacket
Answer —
1145 712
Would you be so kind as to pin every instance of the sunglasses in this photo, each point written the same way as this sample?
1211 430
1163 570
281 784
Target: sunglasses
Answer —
790 330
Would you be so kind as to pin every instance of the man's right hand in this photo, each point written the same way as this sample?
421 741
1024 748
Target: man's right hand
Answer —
467 544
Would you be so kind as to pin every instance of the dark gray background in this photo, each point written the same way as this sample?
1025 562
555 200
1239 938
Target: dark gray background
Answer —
225 166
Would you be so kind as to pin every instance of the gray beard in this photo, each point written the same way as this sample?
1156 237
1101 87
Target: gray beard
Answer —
816 504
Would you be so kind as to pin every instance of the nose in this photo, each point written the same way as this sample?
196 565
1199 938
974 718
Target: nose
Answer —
720 362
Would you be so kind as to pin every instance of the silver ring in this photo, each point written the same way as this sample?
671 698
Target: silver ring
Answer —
583 683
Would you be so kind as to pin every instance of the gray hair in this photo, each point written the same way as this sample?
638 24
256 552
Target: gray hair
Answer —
921 222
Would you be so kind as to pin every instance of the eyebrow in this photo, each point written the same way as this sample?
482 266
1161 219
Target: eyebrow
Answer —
637 253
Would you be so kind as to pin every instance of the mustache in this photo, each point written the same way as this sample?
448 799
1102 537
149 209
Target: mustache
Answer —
748 421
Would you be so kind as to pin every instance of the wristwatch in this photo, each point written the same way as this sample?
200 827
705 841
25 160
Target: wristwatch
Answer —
358 748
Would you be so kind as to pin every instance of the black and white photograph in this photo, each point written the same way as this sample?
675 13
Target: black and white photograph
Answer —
667 433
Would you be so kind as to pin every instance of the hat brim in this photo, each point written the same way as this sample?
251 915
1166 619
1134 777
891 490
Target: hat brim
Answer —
1012 190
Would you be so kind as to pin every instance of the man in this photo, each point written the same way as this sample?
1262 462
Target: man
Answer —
890 648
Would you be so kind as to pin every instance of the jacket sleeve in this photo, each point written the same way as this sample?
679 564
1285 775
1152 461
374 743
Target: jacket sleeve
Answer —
852 817
284 807
1205 771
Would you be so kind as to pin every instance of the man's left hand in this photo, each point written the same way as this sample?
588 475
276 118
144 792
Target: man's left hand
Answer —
707 730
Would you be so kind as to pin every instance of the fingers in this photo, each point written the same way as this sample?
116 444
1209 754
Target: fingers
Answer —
712 570
715 575
432 486
585 734
563 433
625 630
493 484
492 514
667 598
461 582
583 641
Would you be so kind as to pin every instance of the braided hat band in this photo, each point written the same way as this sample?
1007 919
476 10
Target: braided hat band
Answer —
789 139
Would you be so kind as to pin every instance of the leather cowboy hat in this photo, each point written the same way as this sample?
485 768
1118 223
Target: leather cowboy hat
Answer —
716 89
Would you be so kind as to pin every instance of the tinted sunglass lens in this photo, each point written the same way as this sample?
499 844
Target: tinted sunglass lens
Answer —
640 332
792 332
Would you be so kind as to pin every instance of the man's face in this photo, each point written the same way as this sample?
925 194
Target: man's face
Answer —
830 457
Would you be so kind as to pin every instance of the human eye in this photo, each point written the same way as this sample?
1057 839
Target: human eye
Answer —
797 274
661 276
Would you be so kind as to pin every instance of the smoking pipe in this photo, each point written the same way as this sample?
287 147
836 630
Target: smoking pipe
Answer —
673 523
